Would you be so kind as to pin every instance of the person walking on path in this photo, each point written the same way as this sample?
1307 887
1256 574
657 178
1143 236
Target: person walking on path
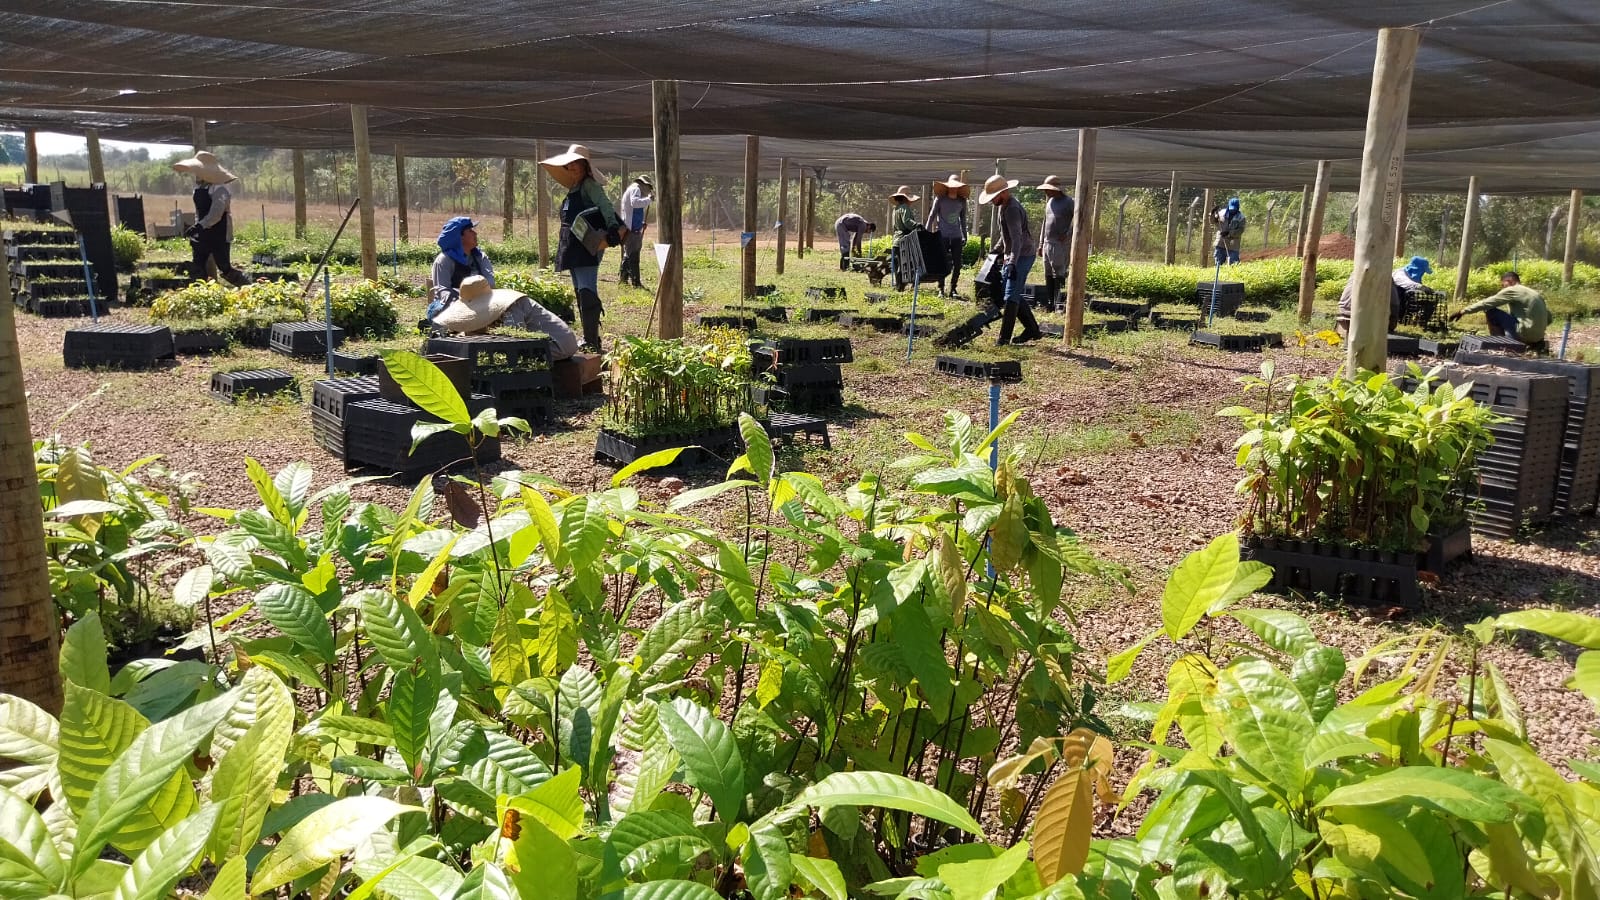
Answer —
211 235
589 224
903 223
1230 232
1516 311
850 228
1056 236
631 209
948 216
1018 251
459 258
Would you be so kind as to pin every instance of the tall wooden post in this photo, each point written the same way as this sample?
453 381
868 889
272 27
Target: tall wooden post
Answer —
800 217
197 128
1207 257
1170 255
1082 224
811 216
1574 221
669 206
369 218
783 208
30 156
508 201
622 174
1400 220
401 198
298 164
1378 201
97 162
1313 237
1305 221
541 205
1469 228
752 186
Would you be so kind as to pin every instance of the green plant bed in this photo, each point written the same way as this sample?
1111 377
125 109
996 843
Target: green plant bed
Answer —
672 386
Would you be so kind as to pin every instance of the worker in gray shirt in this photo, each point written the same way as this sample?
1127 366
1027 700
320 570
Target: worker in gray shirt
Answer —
948 216
850 229
1018 251
1056 236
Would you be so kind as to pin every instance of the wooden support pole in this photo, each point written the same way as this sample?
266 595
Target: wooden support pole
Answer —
1094 216
400 194
1378 201
811 216
1207 256
97 162
1313 237
800 217
197 127
1305 221
1082 217
1170 255
1574 222
541 205
30 156
369 219
669 206
1469 227
783 209
508 201
1400 220
298 164
752 187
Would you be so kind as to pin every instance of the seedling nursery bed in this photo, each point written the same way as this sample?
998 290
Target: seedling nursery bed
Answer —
701 447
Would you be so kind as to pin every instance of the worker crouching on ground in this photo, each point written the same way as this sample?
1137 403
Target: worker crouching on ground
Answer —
479 307
459 258
1055 236
948 216
1404 283
211 235
1230 232
851 228
631 209
1516 311
903 223
1018 252
589 225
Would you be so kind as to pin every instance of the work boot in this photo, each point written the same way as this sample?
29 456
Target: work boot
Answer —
589 310
844 262
1030 325
1008 321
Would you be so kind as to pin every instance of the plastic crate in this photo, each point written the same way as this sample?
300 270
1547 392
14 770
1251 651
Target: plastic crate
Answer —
303 338
494 351
457 369
886 324
700 448
809 350
961 367
332 395
1404 345
790 376
1234 343
377 433
251 383
787 425
117 345
1482 343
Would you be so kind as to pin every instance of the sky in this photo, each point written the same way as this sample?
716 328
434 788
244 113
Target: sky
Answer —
59 144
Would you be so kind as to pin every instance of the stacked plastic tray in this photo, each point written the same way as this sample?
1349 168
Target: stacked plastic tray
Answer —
117 345
45 272
329 400
1517 475
806 374
1578 481
513 371
1228 297
377 433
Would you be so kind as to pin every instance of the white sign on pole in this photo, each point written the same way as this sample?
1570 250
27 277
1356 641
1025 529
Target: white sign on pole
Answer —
661 257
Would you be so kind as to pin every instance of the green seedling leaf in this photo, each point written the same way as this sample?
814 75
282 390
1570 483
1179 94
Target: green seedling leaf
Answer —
887 791
1199 582
426 386
322 837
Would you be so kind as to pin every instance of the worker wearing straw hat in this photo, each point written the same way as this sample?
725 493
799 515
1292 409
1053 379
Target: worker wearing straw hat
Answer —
635 199
1056 235
948 216
903 223
1018 251
480 306
211 235
589 224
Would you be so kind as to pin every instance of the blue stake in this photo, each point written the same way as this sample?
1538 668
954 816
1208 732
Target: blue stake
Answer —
1566 332
994 448
1215 281
88 279
327 305
395 243
911 330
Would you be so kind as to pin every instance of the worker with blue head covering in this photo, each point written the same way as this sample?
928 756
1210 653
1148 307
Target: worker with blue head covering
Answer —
1230 231
459 258
1412 273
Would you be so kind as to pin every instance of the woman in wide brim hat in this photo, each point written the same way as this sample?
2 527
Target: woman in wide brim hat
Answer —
951 187
579 251
947 215
994 186
479 307
903 192
211 235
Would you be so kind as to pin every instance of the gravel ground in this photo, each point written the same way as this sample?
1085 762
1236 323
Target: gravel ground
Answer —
1128 452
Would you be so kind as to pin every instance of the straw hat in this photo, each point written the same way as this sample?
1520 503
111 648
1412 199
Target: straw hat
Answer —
904 193
556 165
994 186
645 180
204 166
951 185
1052 184
477 306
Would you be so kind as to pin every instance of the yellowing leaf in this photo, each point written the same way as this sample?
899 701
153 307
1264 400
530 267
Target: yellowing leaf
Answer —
1064 825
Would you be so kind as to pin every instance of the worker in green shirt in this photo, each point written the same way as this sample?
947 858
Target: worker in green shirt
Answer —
903 223
1517 311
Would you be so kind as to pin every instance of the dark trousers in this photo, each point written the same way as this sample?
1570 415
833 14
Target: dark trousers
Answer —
953 248
212 244
630 258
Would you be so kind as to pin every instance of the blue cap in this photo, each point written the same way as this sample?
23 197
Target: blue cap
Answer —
1233 203
1419 265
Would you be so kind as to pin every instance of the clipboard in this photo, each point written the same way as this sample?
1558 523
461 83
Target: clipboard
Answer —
588 227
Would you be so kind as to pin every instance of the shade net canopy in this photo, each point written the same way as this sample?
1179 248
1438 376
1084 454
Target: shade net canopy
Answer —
1246 93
